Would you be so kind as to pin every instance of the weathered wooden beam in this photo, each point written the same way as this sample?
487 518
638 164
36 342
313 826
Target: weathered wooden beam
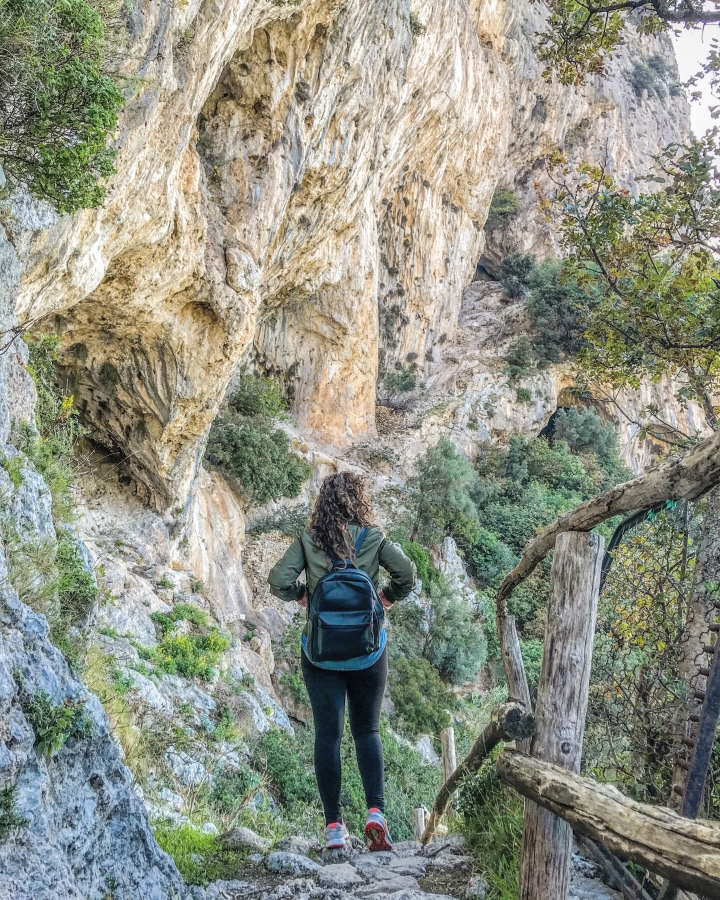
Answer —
680 478
517 683
561 706
686 851
510 721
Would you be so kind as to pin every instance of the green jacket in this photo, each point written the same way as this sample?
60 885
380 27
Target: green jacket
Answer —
376 551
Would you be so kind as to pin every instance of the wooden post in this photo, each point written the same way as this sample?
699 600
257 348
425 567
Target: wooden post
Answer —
517 683
561 706
447 739
419 822
509 722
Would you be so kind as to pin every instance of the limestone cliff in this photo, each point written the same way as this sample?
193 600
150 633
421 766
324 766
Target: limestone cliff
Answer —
305 183
302 184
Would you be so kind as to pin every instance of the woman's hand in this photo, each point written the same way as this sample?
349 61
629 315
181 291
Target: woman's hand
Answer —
302 599
384 600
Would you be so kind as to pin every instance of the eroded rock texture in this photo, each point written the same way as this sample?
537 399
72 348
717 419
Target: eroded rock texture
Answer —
306 183
86 831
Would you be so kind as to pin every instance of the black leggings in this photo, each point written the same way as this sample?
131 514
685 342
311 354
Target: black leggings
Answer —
364 689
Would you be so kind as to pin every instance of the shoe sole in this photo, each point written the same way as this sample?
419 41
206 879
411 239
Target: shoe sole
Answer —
376 836
335 846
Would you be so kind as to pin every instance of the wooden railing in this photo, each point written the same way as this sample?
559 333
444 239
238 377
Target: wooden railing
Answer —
546 769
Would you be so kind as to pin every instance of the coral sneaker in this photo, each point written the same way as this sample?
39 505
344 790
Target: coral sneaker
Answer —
335 835
376 831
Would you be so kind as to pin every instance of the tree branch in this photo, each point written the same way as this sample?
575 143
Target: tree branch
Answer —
680 478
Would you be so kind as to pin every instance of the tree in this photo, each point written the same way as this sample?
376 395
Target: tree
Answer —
580 35
440 491
57 105
456 644
650 266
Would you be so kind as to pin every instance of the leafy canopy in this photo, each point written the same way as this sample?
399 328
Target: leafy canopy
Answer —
439 491
581 35
650 264
57 105
554 301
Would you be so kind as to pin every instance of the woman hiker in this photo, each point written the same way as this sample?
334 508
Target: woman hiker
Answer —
344 642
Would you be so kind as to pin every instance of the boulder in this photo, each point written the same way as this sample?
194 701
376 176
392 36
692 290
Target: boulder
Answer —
282 863
339 876
477 888
299 845
245 838
390 885
186 769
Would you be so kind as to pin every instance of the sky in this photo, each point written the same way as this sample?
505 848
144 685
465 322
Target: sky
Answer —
691 48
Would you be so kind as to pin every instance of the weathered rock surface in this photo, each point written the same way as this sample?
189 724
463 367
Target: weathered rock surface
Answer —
241 837
283 172
283 863
86 827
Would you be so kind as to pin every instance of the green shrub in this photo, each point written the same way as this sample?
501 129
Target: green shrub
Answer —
456 643
13 465
400 381
232 788
532 653
197 586
491 818
408 630
426 572
77 590
10 820
181 612
57 107
53 723
520 358
421 699
295 683
291 776
259 457
288 520
554 305
503 207
487 555
287 764
416 26
190 655
524 395
440 490
584 431
650 75
256 395
51 448
200 858
515 273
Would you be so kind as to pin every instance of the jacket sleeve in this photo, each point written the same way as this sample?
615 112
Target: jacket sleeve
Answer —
283 577
400 568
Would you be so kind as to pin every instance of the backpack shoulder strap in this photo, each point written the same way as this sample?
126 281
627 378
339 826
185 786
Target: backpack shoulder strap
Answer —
359 541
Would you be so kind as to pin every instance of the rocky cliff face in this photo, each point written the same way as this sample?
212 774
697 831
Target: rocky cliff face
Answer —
305 183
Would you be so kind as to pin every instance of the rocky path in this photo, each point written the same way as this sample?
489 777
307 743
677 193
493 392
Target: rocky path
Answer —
442 870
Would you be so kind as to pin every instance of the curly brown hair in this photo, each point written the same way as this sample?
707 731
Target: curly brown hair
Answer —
342 499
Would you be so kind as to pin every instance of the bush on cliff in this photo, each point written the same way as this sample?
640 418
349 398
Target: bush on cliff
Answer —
259 457
58 106
246 445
